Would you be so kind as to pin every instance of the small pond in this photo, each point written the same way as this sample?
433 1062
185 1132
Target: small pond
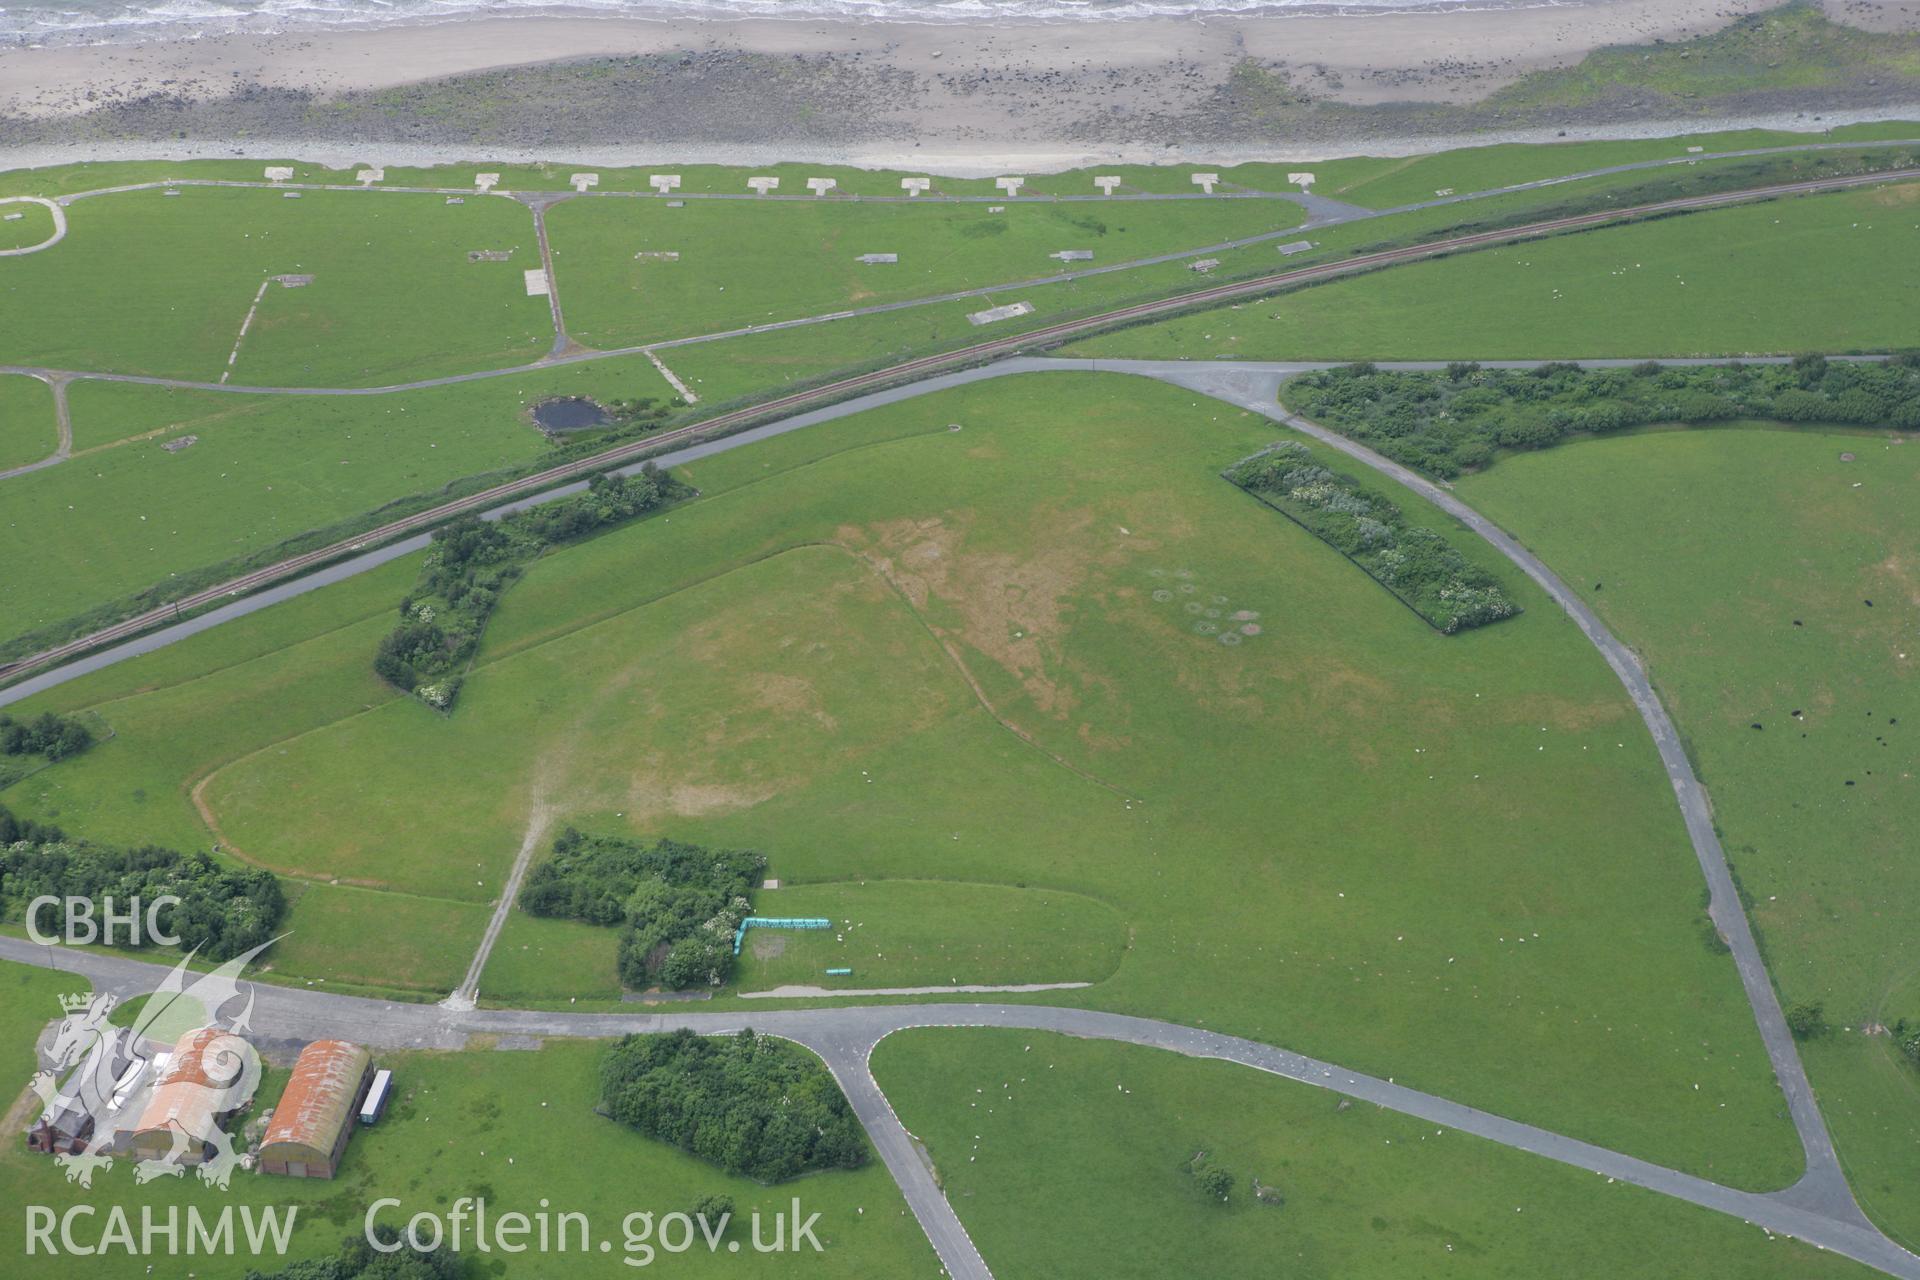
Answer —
569 413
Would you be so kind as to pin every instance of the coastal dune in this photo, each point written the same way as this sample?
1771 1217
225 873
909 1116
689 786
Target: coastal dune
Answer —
871 92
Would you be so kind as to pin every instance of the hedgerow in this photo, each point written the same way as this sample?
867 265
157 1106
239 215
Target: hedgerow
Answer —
1415 563
474 561
1448 422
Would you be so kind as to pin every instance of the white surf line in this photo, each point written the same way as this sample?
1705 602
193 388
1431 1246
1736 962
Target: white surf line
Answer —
246 324
686 392
803 992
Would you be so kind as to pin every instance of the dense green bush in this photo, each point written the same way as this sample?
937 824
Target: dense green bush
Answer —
1907 1036
474 561
53 736
1415 563
223 911
359 1260
680 904
1451 421
1807 1021
747 1103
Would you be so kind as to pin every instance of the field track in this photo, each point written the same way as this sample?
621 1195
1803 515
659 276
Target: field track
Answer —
636 450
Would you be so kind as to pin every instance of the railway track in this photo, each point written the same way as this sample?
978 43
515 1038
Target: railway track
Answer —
637 450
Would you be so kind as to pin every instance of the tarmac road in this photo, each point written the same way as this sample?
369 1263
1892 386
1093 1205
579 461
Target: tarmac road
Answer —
1819 1208
845 1038
919 367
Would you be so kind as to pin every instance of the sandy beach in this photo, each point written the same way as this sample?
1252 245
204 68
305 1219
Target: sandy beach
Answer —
861 92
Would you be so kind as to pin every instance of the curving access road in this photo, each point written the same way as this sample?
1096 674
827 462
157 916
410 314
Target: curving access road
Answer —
845 1039
1819 1208
625 454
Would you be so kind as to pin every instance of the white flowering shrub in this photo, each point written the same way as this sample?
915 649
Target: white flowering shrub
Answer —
1417 564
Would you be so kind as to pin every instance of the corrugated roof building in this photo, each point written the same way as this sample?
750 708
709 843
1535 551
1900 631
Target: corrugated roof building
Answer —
185 1099
311 1125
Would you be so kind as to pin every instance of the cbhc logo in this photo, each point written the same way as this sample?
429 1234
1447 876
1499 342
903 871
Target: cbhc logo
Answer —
82 929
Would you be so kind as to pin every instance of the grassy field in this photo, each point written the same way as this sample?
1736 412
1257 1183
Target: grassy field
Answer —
24 224
1794 46
903 933
891 933
285 466
180 713
1368 180
517 1128
1797 700
1047 1161
127 513
1302 807
27 429
746 262
1382 184
154 284
1817 273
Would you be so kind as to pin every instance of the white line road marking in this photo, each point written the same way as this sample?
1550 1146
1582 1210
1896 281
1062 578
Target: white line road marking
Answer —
246 324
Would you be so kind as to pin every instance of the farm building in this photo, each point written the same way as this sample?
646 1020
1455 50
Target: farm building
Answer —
110 1065
191 1097
311 1125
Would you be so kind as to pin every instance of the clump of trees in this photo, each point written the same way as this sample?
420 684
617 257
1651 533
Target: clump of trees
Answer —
1214 1181
1907 1036
750 1104
223 911
54 736
1446 423
359 1260
643 411
679 904
1415 563
472 563
1807 1020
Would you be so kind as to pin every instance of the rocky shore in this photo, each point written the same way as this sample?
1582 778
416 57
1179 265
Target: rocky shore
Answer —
956 97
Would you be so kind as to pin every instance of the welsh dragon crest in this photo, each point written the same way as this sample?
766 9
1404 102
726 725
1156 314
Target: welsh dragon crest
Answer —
95 1056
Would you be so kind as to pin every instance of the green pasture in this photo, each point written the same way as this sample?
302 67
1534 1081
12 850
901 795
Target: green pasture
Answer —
28 432
31 999
515 1127
1379 183
425 942
180 713
24 224
1374 181
1301 807
1740 562
1793 46
767 362
749 262
148 283
891 933
128 512
538 959
1013 1120
911 933
1833 272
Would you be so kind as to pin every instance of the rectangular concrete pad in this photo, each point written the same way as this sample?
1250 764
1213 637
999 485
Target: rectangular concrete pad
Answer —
1007 312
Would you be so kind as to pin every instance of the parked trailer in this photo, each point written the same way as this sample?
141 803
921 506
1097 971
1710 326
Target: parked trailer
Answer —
377 1094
